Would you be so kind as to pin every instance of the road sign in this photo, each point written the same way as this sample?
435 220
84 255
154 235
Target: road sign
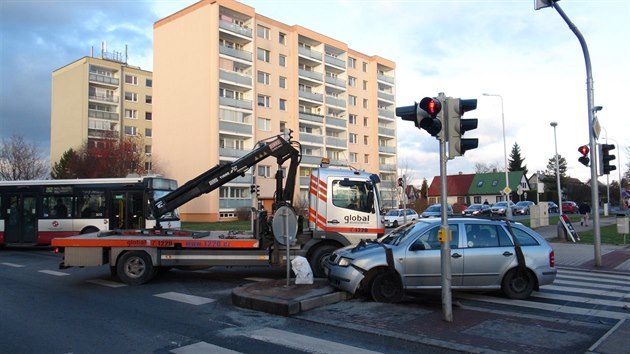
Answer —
507 190
596 128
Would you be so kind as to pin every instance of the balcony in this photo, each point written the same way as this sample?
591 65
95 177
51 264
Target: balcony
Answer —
386 131
104 98
305 181
387 149
386 96
311 138
336 142
335 81
104 79
311 74
92 113
312 96
235 78
310 53
335 61
103 134
311 160
232 102
336 101
236 53
387 167
227 152
336 122
232 27
230 127
385 78
234 203
247 179
312 117
385 113
387 185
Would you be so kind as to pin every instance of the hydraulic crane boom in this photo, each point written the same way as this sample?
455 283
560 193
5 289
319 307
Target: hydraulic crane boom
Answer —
279 146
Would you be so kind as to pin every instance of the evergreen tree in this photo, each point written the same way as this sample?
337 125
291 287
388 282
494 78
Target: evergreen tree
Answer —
515 162
66 166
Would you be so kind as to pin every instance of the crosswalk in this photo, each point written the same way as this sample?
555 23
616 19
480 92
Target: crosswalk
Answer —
576 294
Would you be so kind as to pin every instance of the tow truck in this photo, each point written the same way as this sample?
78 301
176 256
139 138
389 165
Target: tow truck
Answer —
344 208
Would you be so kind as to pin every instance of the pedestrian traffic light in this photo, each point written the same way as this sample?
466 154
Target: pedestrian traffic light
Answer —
457 126
604 159
584 151
423 114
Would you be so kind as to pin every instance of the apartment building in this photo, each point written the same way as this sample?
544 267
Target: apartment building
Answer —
227 77
98 98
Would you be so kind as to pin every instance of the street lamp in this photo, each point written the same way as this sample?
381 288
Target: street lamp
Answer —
508 210
555 140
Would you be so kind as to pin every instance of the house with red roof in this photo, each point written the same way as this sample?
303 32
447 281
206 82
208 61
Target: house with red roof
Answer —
457 185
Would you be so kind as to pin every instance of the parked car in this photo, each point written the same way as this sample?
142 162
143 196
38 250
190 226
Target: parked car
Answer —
500 208
483 257
522 207
396 217
552 208
477 210
570 208
435 211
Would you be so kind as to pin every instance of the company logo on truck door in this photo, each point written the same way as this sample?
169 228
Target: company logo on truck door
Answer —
357 219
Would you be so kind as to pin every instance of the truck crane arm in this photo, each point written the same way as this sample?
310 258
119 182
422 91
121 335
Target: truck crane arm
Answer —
279 146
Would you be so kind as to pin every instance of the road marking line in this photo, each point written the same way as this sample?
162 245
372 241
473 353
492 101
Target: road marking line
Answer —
108 283
586 274
52 272
302 342
257 279
584 300
599 291
12 265
202 347
189 299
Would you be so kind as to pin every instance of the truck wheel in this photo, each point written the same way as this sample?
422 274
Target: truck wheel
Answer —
318 259
387 287
135 268
517 286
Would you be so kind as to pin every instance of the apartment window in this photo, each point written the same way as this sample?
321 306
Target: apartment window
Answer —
352 81
352 63
365 85
365 103
262 32
352 100
264 171
147 166
282 60
233 116
282 38
352 138
282 82
263 101
283 126
365 121
365 140
352 119
131 96
131 79
353 157
230 94
263 55
263 78
147 149
365 66
149 83
148 132
148 99
129 130
366 158
148 116
131 113
283 104
264 124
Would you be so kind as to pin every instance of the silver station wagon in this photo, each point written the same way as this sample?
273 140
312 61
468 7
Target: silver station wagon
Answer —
484 256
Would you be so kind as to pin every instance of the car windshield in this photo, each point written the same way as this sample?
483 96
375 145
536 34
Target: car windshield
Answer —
433 208
522 204
402 233
475 207
392 213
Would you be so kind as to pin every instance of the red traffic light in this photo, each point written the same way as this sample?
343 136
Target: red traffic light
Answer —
432 106
584 150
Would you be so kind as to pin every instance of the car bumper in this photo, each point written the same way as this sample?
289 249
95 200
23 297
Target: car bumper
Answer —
345 278
547 276
388 223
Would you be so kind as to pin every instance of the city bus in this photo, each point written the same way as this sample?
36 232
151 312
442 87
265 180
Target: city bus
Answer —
34 212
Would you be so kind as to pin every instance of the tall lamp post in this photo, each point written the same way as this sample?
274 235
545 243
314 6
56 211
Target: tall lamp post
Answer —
555 140
508 210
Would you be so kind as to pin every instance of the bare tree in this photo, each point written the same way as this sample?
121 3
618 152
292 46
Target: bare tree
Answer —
20 160
481 167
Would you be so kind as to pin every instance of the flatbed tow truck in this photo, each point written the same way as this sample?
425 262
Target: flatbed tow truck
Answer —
344 208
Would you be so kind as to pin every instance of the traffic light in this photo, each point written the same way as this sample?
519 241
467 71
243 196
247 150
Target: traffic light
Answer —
400 182
423 115
604 159
254 188
457 126
584 151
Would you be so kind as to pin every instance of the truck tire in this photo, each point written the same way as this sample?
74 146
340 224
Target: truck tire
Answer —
135 268
319 257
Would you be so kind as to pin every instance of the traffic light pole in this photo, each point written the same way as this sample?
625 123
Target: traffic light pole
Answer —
445 246
591 137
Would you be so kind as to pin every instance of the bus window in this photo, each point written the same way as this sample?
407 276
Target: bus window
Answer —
90 204
57 207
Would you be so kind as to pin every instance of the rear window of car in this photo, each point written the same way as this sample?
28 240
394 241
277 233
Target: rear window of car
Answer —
524 238
486 235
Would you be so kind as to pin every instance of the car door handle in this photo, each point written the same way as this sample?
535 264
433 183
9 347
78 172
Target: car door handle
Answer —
333 222
456 255
508 253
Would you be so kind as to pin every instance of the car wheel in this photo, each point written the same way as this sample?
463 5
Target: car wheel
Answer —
387 287
518 286
135 268
395 224
318 258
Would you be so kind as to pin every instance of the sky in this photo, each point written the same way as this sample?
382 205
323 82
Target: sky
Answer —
463 48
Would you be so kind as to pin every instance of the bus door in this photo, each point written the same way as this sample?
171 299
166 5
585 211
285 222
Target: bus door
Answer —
21 219
127 210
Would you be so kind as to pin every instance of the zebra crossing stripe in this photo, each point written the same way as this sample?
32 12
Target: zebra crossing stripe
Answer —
585 300
188 299
52 272
108 283
595 275
12 265
257 279
202 347
580 287
302 342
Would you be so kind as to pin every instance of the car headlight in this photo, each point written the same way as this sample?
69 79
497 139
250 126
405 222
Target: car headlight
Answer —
343 262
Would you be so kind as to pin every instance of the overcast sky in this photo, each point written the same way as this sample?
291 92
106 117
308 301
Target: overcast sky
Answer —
463 48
